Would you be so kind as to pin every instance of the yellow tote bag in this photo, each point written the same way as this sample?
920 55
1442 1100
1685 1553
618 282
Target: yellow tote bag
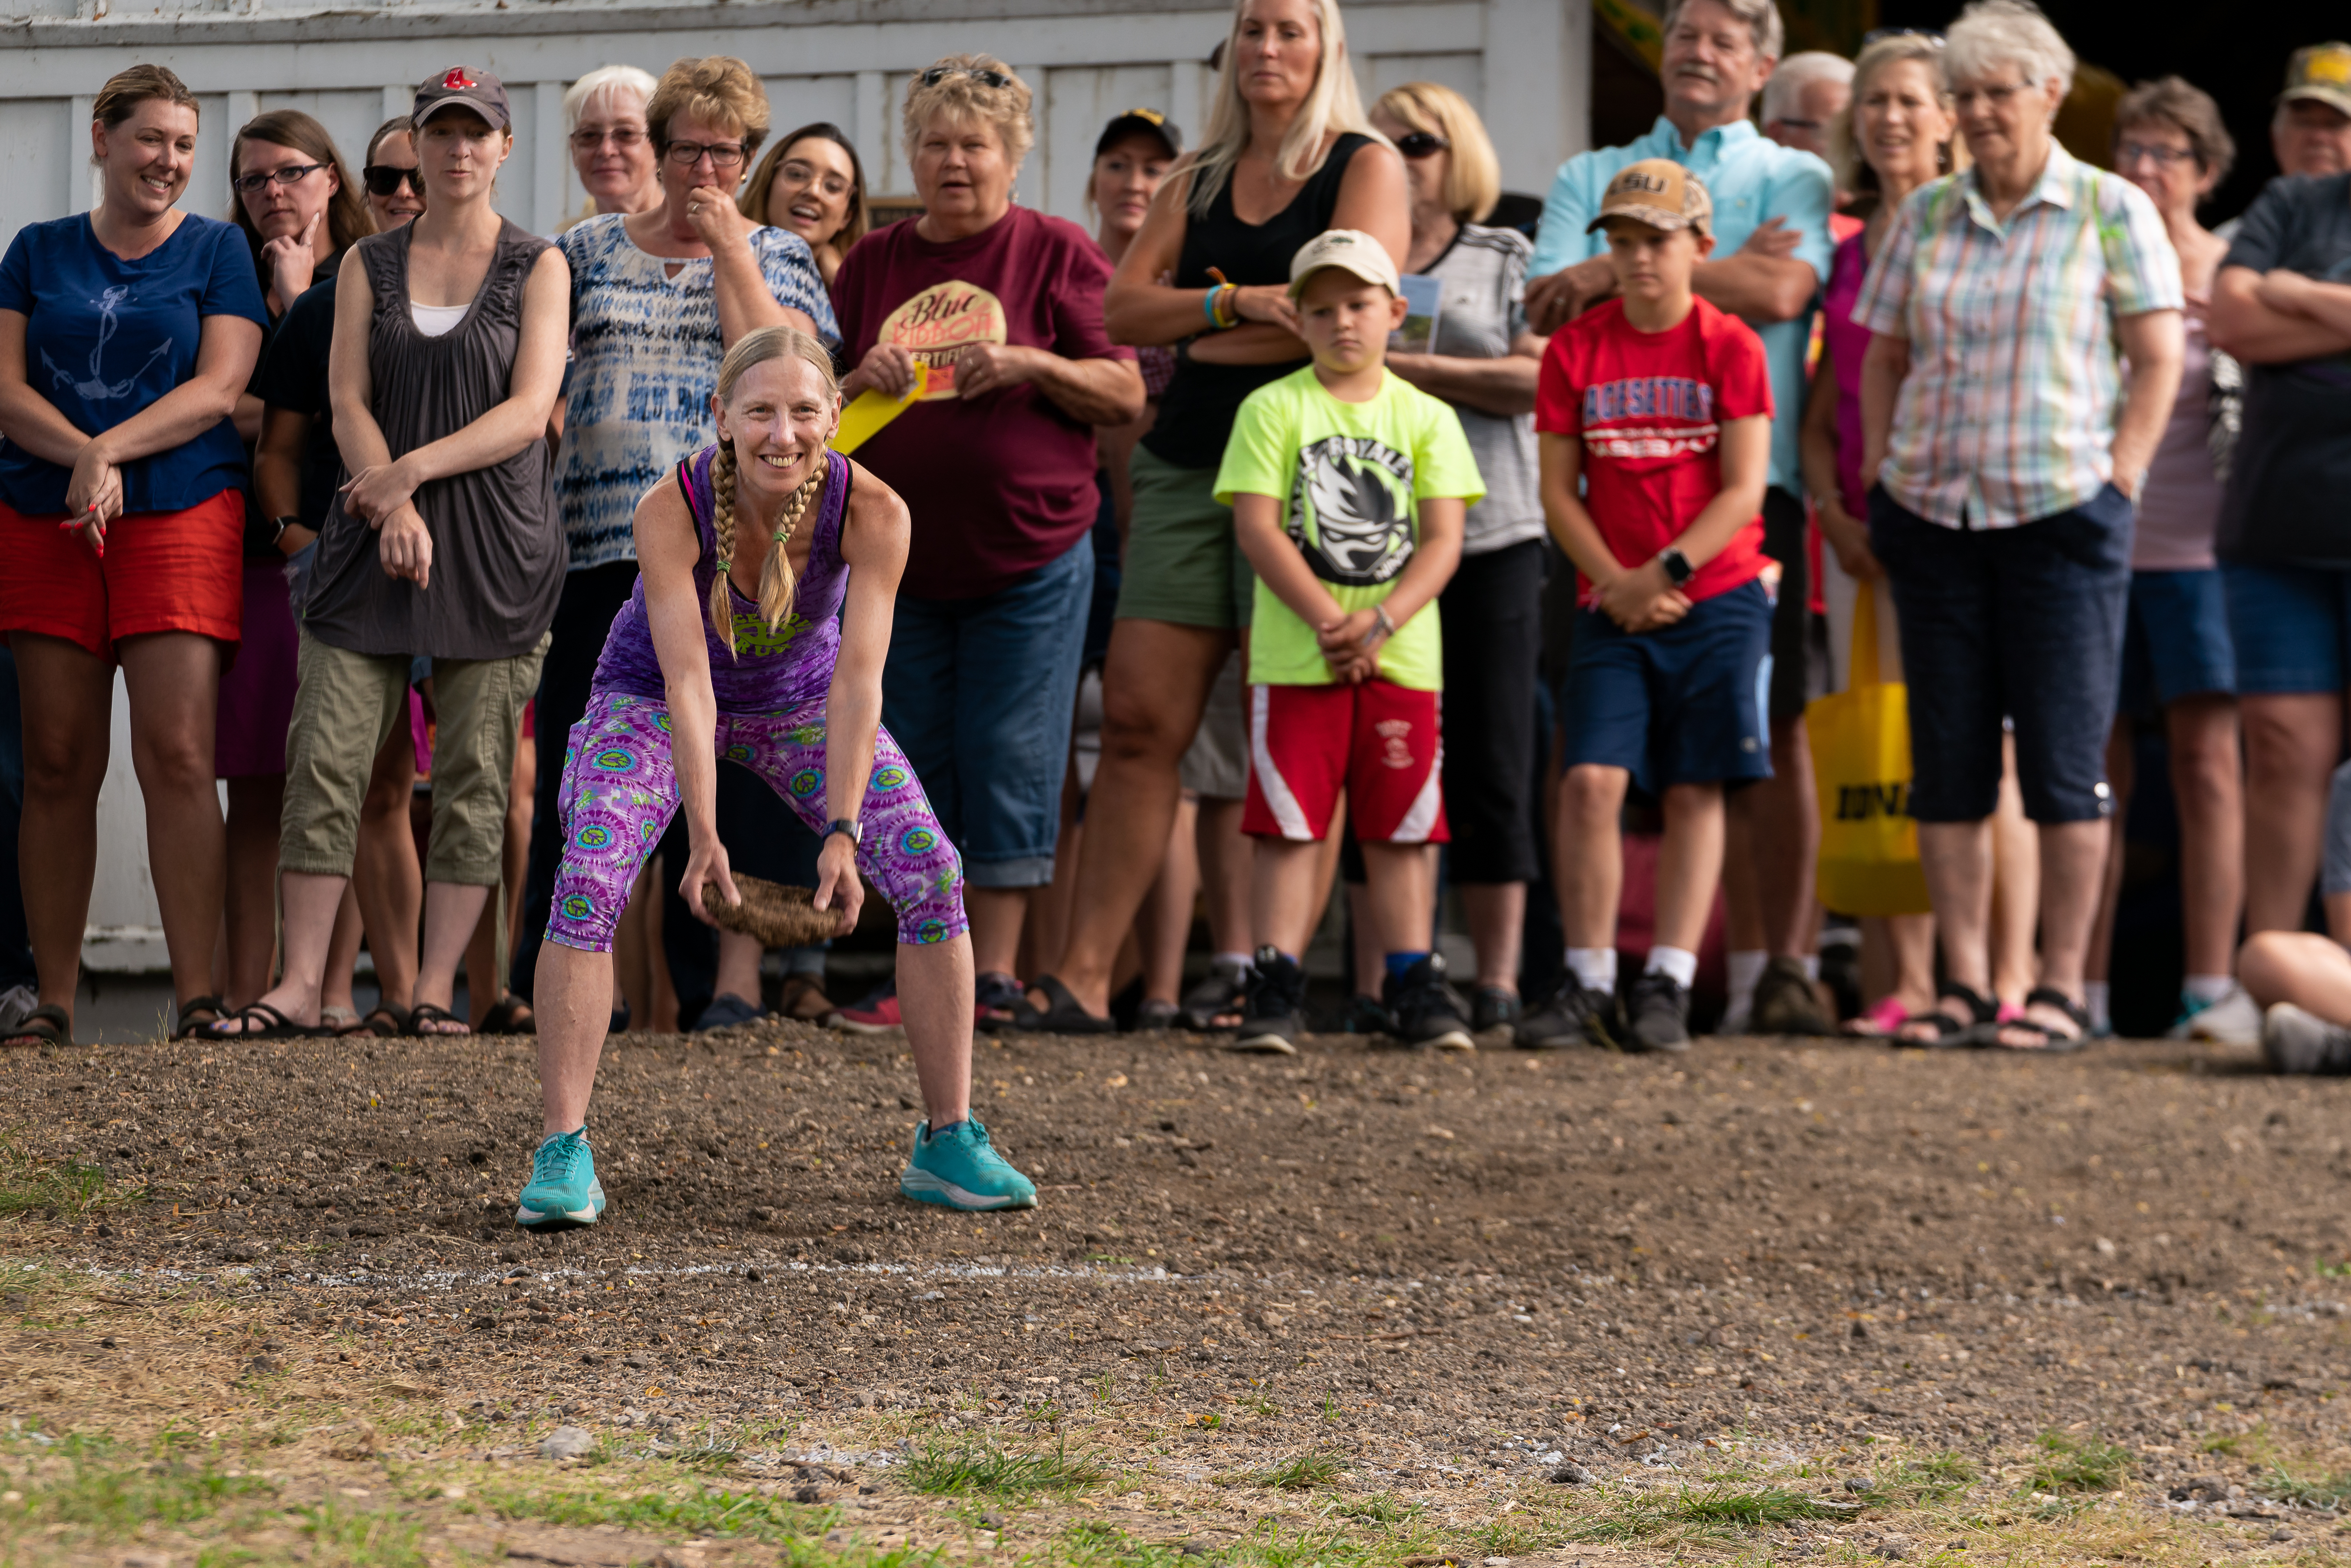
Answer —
1861 768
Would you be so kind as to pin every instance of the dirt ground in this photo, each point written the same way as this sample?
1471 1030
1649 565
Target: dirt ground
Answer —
1767 1302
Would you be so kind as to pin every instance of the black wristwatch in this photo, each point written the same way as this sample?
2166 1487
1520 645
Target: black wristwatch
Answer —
278 527
847 826
1678 570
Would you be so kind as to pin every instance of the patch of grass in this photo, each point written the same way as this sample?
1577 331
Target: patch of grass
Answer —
963 1469
1717 1511
96 1493
711 1453
2324 1491
1300 1472
29 1184
706 1510
1381 1508
379 1539
1093 1543
2069 1464
1934 1478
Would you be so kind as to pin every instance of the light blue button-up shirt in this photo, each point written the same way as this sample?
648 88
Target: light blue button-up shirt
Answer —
1753 179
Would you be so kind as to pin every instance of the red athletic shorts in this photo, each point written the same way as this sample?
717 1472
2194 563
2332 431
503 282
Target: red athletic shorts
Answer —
163 571
1378 741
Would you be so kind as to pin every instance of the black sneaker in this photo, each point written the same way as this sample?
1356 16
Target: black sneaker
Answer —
1274 1017
1658 1014
1494 1007
1424 1010
1574 1016
1366 1015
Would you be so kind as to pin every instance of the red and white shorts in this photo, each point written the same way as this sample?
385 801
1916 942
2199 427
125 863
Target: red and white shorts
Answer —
1378 741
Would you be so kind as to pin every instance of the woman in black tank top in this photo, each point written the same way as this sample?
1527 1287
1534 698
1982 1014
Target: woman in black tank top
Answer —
1288 154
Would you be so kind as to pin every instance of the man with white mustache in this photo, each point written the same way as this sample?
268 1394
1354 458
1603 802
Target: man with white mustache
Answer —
1771 207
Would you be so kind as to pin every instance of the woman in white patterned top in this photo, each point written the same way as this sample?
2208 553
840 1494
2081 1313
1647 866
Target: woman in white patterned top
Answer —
657 297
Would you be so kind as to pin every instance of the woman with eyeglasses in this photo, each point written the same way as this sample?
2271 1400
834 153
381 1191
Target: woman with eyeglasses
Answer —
300 210
812 184
296 469
126 334
1289 154
1483 361
611 148
657 298
442 544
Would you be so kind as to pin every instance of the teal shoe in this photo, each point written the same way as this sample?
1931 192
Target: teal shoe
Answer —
563 1189
959 1169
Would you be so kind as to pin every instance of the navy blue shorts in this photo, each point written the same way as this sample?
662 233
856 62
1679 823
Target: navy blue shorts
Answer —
2022 624
1682 705
2291 626
2177 641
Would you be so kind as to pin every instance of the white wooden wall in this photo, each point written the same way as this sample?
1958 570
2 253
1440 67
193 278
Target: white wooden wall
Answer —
1524 62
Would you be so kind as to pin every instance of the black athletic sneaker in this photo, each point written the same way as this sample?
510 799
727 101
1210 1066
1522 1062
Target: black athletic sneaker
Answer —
1366 1015
1274 1017
1424 1010
1574 1016
1494 1007
1658 1014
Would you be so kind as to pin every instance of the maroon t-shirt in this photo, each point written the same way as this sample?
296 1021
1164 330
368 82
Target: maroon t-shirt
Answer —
1003 483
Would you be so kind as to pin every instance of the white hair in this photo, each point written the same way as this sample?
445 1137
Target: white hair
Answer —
601 84
1798 72
1990 33
1761 17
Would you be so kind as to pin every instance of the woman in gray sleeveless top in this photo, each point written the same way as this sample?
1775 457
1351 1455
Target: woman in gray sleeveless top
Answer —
442 542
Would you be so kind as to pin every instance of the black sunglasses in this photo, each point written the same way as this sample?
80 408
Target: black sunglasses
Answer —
938 74
1418 144
382 179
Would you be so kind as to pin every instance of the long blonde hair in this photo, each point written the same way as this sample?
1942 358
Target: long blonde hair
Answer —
776 584
1334 104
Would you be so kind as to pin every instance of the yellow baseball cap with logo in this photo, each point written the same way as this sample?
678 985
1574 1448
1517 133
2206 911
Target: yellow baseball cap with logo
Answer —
1659 193
2321 73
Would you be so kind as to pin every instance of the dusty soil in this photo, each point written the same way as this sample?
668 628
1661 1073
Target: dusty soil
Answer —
1461 1273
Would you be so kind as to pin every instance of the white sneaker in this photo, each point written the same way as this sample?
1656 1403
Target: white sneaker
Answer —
2299 1042
17 1004
2234 1020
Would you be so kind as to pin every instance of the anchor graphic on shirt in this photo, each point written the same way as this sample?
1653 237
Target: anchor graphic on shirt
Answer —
97 389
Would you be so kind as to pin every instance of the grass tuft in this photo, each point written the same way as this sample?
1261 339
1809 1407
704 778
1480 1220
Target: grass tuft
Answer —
2072 1464
968 1469
1300 1472
379 1539
1716 1511
29 1184
707 1510
1381 1508
2324 1491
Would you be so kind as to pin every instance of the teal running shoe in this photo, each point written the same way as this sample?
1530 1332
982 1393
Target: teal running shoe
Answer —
563 1189
959 1169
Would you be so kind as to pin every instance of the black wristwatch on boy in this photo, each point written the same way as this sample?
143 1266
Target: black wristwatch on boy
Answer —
1678 570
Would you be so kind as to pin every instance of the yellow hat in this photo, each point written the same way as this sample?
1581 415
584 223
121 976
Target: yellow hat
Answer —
1659 193
2321 73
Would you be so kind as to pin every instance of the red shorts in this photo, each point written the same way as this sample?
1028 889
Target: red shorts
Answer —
1378 741
163 571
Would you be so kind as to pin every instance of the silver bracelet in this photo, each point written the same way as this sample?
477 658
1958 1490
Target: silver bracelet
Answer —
1386 627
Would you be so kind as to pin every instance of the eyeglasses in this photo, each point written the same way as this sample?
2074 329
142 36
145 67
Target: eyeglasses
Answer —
938 74
722 154
1419 144
382 179
627 138
2129 152
292 174
1924 35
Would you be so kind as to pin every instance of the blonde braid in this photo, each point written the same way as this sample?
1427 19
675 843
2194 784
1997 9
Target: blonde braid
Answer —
776 584
722 521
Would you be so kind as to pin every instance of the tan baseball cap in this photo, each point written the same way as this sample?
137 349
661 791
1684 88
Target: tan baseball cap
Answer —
2321 73
1348 250
1659 193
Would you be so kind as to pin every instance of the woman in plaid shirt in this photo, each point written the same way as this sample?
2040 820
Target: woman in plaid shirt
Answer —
2008 439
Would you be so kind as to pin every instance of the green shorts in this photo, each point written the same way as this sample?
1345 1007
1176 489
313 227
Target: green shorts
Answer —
1181 564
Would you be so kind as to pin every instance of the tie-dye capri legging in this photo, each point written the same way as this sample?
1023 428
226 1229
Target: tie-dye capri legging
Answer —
620 792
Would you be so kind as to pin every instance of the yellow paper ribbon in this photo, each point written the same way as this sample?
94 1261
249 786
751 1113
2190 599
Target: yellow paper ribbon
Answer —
873 409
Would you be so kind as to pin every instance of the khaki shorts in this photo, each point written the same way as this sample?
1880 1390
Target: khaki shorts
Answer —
345 705
1182 565
1216 766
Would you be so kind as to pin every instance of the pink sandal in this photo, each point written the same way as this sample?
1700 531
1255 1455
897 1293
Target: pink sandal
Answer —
1880 1022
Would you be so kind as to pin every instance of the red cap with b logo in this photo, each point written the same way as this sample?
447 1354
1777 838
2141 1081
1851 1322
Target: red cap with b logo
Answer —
463 86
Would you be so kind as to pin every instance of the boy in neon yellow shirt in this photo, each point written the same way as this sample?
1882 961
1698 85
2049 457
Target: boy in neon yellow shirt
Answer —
1348 488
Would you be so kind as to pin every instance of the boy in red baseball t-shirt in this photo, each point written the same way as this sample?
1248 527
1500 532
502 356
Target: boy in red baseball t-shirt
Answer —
1661 405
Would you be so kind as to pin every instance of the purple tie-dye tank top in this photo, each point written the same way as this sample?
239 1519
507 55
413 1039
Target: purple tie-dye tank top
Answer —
769 671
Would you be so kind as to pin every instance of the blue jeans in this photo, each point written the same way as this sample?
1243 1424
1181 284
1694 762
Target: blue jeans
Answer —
980 694
15 942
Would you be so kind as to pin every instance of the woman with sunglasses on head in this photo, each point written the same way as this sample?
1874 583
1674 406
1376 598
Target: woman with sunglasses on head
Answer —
126 334
442 544
1483 361
657 298
296 469
812 184
611 147
1289 154
300 211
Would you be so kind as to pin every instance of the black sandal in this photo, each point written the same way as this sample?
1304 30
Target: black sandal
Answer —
380 1021
2052 1042
261 1021
1951 1033
46 1025
511 1016
423 1013
1066 1015
216 1008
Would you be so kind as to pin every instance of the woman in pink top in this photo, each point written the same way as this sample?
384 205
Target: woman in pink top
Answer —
2177 656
